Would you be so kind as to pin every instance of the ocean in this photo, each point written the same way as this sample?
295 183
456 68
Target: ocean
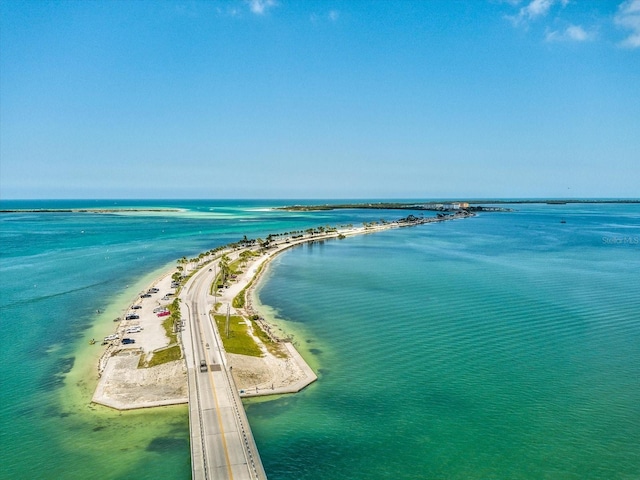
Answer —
502 346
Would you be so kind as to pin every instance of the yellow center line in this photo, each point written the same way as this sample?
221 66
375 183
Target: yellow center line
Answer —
215 397
224 440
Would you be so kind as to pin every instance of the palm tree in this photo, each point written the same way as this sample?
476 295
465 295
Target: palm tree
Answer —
224 268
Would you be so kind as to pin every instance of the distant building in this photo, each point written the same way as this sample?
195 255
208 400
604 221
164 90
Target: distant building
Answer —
455 205
444 206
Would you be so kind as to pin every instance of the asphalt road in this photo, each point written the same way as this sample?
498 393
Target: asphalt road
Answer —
222 445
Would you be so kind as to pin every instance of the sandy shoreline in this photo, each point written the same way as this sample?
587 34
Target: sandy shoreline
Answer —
123 385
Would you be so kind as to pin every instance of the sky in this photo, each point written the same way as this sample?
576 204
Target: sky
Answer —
320 99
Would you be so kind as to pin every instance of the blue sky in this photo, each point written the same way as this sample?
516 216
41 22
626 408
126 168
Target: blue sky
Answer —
320 99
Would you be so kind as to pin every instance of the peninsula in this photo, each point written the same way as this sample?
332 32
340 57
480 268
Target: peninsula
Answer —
143 364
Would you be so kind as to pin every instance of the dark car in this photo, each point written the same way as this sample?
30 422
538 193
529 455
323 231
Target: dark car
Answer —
145 295
126 341
132 316
137 307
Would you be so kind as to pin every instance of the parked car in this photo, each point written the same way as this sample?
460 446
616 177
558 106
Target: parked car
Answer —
137 307
127 341
132 316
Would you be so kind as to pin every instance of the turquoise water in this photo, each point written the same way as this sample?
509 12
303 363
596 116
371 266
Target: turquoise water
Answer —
503 346
506 346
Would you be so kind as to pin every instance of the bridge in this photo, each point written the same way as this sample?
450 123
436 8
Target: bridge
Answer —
222 445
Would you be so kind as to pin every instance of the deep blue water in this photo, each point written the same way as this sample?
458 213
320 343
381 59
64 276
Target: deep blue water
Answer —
503 346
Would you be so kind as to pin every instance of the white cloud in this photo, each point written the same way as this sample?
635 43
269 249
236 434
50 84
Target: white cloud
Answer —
628 17
259 7
536 8
573 33
533 10
577 33
561 29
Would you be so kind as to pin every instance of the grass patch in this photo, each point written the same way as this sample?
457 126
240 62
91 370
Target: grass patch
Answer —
165 355
167 324
240 300
214 284
239 341
235 267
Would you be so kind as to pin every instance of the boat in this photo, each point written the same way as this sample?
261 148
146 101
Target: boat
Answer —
563 221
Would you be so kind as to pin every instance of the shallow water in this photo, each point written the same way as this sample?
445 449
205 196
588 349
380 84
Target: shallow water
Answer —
65 276
506 346
503 346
